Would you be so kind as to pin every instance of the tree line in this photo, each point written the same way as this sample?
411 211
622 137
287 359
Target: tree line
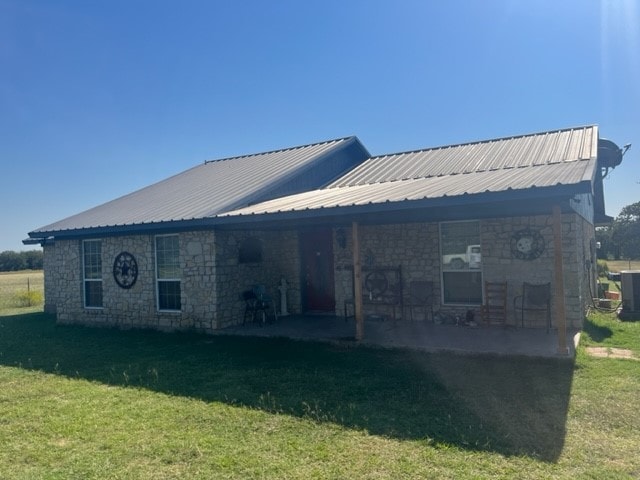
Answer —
621 239
11 261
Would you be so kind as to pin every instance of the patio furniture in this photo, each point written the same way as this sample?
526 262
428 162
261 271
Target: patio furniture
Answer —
381 286
258 305
421 296
534 298
494 309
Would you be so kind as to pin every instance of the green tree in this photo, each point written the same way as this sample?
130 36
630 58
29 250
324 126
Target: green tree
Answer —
608 248
626 231
11 261
33 259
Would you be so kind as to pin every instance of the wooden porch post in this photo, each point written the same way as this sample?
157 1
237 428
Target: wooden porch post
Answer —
561 321
357 283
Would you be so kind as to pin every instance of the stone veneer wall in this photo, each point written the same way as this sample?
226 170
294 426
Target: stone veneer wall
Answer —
211 284
415 247
56 275
280 258
586 248
499 264
137 306
213 279
199 276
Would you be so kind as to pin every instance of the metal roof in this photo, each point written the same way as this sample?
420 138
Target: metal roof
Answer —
428 188
568 145
221 185
238 190
549 159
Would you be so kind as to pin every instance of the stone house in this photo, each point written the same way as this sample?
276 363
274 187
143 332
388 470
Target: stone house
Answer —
179 254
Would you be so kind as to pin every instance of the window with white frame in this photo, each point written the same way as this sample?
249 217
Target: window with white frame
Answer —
168 272
92 273
461 262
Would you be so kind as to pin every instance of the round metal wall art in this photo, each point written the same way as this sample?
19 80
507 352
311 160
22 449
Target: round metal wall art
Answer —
376 283
527 244
125 270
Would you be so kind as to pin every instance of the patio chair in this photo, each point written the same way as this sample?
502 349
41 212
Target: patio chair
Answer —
258 305
534 298
495 303
421 295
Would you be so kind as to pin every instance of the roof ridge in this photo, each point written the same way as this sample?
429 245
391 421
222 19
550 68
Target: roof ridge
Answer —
314 144
479 142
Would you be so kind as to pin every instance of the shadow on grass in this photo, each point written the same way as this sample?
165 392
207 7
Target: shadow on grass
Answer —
597 333
509 405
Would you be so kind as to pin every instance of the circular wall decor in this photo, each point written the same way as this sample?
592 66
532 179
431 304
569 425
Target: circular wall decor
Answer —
527 244
125 270
376 283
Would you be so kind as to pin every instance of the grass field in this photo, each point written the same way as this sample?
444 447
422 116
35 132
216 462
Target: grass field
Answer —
619 265
99 403
21 292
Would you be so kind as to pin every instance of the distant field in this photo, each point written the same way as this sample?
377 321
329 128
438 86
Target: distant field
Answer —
23 291
619 265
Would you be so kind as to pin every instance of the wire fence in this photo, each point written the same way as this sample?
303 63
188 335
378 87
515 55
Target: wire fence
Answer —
22 289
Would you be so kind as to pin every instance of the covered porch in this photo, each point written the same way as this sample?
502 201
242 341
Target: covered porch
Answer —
414 335
366 267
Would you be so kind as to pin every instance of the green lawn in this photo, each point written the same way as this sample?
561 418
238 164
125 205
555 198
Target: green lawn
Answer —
81 402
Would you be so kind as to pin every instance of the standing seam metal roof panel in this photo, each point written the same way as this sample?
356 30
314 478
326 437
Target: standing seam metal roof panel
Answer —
547 159
491 181
562 157
207 189
528 150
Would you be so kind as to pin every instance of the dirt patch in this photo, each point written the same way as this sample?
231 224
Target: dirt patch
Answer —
609 352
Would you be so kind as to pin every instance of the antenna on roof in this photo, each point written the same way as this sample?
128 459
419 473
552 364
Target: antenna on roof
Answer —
610 155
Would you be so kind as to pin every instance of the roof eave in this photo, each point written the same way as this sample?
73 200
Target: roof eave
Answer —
149 228
558 193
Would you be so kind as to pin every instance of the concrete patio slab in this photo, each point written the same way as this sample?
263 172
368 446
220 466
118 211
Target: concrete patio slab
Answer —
415 335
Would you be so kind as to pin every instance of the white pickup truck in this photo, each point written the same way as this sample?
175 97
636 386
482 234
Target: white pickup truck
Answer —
471 258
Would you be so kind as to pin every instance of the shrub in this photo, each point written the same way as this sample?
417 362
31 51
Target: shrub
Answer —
602 268
26 298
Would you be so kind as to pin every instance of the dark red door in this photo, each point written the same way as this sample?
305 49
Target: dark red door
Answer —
316 247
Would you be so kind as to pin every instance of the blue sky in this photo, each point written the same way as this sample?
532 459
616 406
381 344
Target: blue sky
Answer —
100 98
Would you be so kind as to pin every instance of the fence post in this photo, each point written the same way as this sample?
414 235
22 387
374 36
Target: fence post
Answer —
28 292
